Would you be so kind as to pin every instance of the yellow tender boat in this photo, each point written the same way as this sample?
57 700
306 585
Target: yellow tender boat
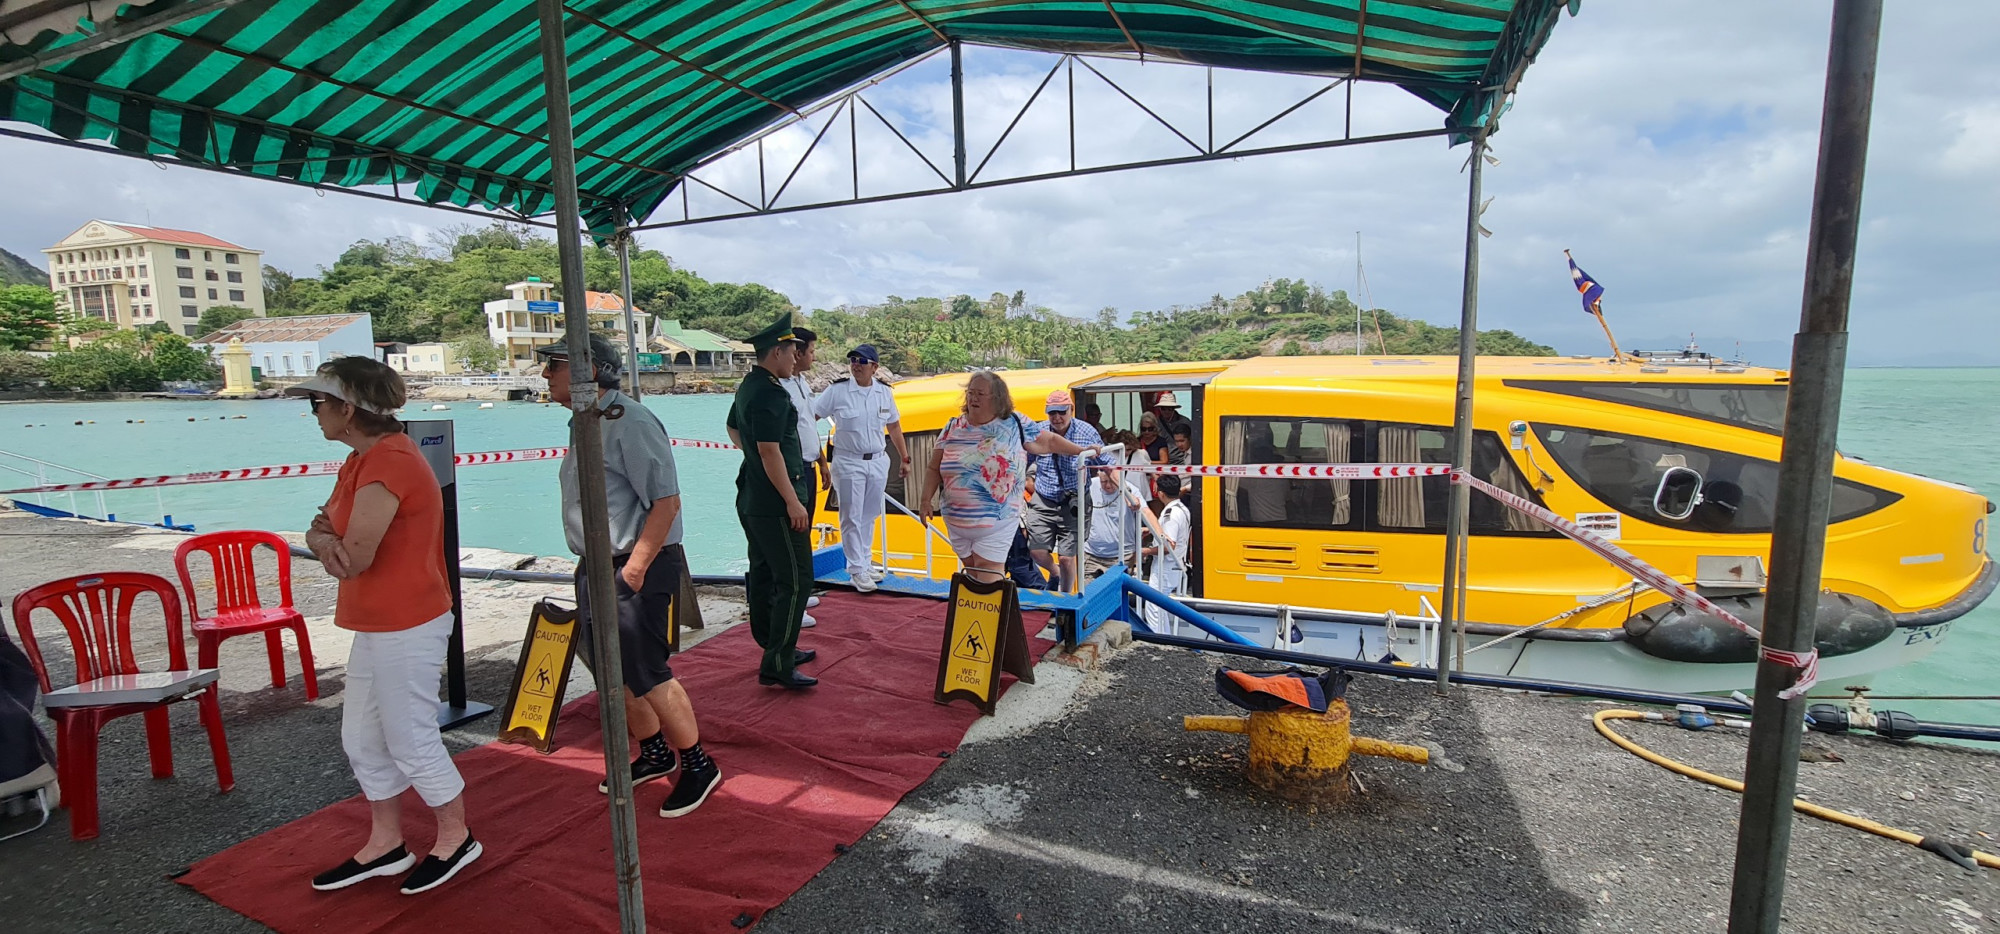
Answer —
1329 566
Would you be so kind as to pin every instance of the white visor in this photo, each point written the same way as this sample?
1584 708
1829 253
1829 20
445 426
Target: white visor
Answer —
325 384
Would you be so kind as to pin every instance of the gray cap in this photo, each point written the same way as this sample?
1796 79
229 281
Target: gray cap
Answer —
602 353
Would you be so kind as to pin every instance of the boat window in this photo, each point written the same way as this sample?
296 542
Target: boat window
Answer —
1758 406
1418 504
1739 494
1298 504
905 488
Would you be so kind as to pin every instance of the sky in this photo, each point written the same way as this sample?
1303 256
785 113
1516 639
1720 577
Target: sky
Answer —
1671 147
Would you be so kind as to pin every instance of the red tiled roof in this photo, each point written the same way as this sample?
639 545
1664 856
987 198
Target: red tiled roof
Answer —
171 235
605 301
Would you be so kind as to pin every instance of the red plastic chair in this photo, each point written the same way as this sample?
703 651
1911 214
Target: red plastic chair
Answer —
96 610
239 611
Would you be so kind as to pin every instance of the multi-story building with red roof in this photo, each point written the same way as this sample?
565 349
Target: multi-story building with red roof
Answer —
132 275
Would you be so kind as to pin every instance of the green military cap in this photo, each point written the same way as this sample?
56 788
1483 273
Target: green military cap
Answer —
779 332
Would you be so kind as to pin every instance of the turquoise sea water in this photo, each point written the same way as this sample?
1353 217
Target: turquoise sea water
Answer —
1942 423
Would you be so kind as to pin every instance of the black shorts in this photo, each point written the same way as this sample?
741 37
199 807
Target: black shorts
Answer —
643 646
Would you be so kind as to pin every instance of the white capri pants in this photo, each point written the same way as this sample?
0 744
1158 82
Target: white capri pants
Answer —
388 724
859 484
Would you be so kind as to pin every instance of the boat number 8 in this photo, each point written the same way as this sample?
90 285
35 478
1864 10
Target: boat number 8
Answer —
1979 537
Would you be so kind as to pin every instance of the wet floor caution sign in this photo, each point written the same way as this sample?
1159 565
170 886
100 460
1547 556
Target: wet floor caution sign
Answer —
983 636
539 678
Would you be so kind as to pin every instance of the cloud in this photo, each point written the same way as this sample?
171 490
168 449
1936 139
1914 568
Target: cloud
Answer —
1672 147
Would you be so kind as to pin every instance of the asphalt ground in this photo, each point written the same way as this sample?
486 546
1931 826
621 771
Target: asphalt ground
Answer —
1084 807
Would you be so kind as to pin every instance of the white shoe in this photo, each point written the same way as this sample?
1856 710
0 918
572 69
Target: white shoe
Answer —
806 621
811 602
864 583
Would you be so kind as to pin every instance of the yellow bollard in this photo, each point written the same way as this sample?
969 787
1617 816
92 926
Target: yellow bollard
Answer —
1301 754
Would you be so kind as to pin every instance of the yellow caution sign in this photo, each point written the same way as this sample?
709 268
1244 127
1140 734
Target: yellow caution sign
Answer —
983 636
539 678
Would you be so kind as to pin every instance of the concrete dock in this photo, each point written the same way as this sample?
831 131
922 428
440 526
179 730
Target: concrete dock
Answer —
1083 806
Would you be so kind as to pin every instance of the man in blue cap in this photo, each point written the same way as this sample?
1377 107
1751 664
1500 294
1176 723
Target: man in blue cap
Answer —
772 490
864 414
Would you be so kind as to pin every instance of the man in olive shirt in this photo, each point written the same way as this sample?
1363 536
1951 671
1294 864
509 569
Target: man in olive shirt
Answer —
772 490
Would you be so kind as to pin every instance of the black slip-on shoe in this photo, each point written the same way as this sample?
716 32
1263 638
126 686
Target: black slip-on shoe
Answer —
793 681
804 656
645 770
435 872
693 789
391 863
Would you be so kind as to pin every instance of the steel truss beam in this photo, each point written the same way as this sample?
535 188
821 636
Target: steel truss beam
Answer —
764 201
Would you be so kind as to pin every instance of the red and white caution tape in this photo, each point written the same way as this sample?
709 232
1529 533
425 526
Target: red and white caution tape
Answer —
1290 471
1807 663
322 468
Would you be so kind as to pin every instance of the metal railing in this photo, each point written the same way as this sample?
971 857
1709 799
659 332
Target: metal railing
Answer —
39 469
497 382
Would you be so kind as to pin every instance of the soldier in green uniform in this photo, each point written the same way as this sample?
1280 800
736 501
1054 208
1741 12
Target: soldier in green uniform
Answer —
772 490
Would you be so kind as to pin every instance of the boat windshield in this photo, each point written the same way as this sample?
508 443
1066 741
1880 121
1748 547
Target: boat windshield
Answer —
1756 406
1739 494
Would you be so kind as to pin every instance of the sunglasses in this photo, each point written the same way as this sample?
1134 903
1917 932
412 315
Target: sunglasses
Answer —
315 402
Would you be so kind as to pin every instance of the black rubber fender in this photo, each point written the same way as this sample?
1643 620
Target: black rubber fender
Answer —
1842 625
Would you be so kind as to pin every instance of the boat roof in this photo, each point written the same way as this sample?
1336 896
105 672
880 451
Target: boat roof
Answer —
1030 387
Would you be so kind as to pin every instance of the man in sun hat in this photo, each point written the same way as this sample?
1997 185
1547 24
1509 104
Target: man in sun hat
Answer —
643 496
1052 508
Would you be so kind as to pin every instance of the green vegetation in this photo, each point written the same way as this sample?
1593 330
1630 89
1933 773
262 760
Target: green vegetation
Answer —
20 370
15 270
434 292
27 315
128 361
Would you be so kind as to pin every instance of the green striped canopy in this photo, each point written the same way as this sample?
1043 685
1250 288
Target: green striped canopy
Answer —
444 99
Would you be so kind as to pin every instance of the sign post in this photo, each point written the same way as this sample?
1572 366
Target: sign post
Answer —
983 636
435 442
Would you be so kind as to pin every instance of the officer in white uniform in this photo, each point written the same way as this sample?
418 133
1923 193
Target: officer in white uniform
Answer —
1169 575
863 409
799 387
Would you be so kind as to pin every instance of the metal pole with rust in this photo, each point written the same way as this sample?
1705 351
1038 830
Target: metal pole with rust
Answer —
1805 468
1452 609
587 446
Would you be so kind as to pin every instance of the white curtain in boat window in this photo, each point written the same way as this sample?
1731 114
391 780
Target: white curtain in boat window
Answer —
1232 453
1400 502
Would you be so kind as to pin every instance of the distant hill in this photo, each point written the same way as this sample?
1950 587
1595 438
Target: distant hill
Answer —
17 271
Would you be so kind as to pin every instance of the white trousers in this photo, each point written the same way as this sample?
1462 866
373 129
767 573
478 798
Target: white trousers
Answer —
860 485
388 719
1170 581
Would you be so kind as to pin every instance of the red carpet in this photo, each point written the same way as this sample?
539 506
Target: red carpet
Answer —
802 773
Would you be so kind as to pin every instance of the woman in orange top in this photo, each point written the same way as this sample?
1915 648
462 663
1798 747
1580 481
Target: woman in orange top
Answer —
381 534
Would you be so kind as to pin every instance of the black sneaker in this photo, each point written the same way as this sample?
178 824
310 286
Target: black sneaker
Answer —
435 872
347 873
645 770
691 791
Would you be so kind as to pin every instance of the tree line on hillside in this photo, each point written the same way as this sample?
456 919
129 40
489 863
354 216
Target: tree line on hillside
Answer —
435 292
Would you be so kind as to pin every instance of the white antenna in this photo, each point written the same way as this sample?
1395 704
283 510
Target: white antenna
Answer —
1357 293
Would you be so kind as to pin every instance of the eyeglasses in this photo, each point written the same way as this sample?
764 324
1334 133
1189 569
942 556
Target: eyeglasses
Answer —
315 401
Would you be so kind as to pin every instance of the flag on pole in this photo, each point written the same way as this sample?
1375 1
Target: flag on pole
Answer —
1585 285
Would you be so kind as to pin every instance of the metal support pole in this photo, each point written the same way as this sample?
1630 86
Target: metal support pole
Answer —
587 446
957 115
632 338
1452 616
1805 468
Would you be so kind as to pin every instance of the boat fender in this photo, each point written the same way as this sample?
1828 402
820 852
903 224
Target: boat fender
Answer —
1842 625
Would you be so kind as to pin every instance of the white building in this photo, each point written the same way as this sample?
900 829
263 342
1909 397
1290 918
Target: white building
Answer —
437 359
531 317
294 346
132 275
